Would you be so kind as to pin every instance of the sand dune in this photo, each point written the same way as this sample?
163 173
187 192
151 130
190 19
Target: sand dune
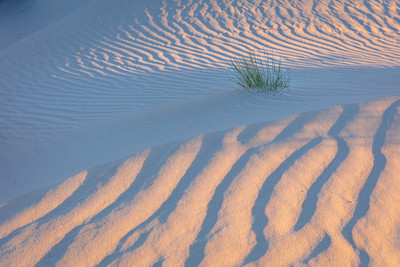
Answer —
309 177
80 68
317 188
96 63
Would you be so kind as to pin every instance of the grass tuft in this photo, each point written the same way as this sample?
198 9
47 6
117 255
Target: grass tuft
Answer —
259 72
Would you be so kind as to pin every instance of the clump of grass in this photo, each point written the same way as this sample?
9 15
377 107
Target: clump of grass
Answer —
259 72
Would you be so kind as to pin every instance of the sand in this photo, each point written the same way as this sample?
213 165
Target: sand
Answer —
124 143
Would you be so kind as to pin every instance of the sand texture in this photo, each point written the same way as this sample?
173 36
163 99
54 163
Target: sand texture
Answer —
124 143
318 188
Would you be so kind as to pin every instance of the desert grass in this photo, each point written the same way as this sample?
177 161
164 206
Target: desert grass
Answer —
258 71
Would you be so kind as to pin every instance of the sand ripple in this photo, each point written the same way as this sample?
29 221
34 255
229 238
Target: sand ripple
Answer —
314 188
95 65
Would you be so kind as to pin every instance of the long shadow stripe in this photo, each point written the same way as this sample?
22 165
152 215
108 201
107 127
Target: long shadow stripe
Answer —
58 250
310 203
213 141
260 219
197 249
364 258
379 164
153 163
196 254
321 247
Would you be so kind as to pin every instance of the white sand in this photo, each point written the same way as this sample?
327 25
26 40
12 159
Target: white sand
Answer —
309 177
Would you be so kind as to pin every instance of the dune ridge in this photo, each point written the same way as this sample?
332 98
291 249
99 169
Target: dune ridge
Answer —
314 188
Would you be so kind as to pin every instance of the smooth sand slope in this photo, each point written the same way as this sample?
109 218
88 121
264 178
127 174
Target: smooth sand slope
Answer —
139 89
318 188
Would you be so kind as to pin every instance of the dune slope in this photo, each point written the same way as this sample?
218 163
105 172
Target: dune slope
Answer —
104 92
81 68
317 188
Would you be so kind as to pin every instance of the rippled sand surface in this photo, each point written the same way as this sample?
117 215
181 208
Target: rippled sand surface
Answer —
139 150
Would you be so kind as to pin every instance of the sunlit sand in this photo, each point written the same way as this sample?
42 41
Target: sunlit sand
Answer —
123 142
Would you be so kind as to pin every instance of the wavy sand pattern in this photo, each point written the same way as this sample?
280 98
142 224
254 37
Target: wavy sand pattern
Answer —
314 188
309 179
309 33
100 67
